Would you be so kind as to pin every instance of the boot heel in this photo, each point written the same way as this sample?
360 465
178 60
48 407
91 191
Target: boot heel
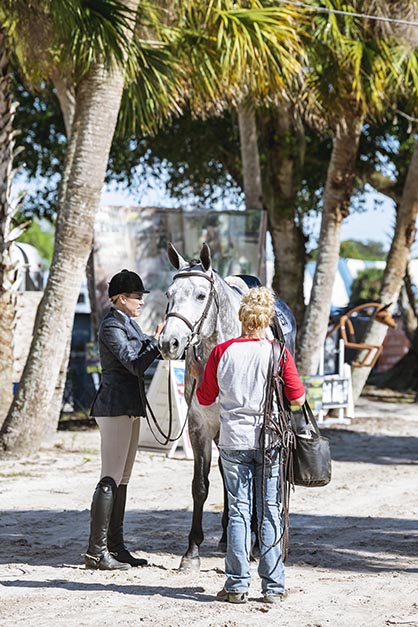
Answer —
104 562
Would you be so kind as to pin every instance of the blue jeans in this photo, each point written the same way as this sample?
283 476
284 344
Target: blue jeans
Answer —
240 468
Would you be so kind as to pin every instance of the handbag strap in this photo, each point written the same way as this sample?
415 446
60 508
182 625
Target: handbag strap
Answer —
310 418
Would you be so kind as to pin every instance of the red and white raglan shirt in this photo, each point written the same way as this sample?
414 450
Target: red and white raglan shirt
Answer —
236 373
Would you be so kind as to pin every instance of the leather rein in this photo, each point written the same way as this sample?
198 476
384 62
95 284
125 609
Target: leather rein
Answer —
194 339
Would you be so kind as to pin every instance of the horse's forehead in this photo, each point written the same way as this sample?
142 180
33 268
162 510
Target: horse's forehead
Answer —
183 286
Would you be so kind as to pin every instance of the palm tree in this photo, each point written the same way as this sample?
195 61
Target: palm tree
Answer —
282 139
8 232
99 90
407 208
21 48
261 68
357 73
79 197
396 264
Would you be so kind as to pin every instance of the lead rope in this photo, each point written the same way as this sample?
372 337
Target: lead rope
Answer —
195 332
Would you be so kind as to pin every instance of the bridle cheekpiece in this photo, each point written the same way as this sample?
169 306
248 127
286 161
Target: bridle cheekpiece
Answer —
195 328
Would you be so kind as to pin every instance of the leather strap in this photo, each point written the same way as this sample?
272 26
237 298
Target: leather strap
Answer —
278 424
309 417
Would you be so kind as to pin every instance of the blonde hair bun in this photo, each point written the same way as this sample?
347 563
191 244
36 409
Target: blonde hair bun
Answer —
256 309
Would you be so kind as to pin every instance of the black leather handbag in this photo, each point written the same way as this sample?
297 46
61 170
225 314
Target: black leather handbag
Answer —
311 455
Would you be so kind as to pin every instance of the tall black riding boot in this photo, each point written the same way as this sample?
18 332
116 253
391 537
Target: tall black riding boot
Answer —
98 556
115 540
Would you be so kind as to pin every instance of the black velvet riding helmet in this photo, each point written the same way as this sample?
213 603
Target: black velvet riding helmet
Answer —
126 282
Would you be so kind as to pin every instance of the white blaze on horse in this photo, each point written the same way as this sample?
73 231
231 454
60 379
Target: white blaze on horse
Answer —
202 312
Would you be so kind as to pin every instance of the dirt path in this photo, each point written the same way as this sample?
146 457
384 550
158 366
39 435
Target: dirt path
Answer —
353 557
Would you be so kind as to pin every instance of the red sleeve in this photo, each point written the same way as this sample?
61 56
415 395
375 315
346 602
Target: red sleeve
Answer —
208 389
293 386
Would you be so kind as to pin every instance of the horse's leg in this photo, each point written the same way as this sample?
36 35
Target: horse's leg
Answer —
202 450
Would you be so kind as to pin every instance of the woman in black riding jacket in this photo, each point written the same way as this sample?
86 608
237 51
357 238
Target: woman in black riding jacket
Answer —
125 354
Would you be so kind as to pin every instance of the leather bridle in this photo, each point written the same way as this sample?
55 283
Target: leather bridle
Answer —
194 339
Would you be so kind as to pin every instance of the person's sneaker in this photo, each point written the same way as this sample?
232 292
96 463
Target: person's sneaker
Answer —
274 598
232 597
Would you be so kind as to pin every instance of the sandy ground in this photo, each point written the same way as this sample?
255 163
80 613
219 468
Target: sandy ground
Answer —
353 557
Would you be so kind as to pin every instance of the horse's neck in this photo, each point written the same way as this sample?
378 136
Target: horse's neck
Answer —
227 324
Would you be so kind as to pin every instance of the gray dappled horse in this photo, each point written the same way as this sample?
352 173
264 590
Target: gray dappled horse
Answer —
202 312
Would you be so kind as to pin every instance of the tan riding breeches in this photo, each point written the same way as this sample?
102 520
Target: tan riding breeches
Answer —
119 442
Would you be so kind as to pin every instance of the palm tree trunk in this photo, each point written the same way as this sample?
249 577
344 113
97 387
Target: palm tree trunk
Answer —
66 98
396 264
251 174
337 197
250 155
54 413
97 106
283 146
7 236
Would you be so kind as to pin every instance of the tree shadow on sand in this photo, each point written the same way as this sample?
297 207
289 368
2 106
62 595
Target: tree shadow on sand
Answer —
192 593
344 543
359 446
354 543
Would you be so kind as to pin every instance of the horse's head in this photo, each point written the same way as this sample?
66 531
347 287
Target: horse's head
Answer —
191 298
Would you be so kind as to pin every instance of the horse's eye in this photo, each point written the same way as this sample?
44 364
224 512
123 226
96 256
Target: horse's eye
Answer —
201 296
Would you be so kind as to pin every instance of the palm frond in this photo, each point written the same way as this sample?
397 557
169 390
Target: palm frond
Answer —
230 50
93 30
154 88
351 60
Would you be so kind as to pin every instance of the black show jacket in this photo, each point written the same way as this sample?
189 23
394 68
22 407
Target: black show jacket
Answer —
125 354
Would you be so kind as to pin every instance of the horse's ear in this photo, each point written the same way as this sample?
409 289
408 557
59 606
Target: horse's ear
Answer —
175 258
205 258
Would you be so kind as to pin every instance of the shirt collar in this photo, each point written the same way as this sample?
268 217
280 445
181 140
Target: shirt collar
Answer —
122 314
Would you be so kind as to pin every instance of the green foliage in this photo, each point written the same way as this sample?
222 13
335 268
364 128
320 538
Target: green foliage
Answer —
388 147
231 48
355 249
355 67
199 160
366 285
42 239
44 143
87 32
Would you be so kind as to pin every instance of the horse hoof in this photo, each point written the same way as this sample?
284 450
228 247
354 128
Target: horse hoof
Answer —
222 546
190 565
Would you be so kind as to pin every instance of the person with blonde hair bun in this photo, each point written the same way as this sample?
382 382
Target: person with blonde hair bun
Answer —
256 311
236 373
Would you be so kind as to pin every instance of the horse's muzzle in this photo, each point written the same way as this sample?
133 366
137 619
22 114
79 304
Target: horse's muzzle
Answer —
170 348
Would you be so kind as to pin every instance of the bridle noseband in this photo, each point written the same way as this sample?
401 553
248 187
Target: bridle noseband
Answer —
195 328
